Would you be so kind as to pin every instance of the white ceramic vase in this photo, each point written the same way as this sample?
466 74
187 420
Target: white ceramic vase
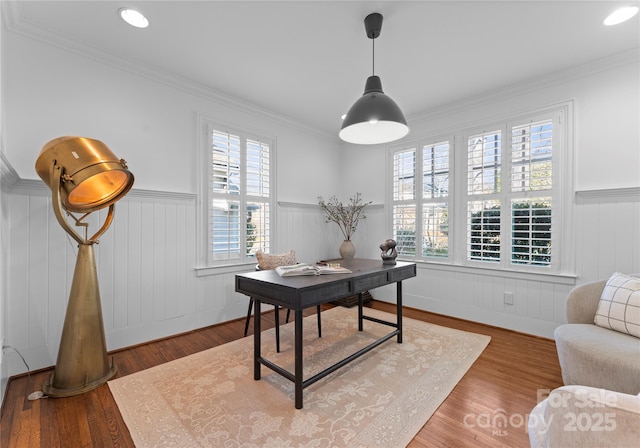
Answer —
347 250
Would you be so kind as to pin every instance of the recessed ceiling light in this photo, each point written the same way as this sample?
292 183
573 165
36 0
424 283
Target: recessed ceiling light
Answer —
133 18
621 15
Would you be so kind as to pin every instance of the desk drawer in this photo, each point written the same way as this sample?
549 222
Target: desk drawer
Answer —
325 294
402 274
367 283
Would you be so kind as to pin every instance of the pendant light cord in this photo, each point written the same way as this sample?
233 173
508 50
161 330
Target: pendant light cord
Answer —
373 59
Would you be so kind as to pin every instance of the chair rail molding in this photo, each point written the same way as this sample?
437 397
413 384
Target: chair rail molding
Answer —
629 194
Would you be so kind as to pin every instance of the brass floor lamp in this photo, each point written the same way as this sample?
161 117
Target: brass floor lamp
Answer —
84 176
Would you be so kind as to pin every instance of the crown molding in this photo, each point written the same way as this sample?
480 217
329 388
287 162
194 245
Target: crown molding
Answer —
533 85
16 23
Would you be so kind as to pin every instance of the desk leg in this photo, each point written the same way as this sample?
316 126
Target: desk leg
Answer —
257 316
399 310
298 359
360 300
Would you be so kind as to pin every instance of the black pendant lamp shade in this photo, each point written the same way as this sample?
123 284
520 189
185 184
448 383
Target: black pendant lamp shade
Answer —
374 118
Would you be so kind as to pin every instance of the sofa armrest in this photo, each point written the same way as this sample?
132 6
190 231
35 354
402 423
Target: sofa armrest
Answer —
582 302
581 416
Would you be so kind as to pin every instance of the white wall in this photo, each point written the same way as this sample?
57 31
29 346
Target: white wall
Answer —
606 216
606 96
51 92
4 223
146 261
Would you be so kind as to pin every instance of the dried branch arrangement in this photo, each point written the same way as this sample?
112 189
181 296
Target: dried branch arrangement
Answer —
346 216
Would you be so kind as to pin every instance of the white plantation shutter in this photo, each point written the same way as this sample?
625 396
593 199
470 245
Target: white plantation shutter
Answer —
239 219
484 167
532 174
531 231
483 231
435 229
225 158
435 205
420 179
404 175
435 171
509 210
257 166
404 205
504 202
531 156
258 195
404 225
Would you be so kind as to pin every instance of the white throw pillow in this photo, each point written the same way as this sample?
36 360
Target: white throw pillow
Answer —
272 261
619 307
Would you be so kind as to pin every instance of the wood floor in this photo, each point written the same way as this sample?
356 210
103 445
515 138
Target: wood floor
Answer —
501 387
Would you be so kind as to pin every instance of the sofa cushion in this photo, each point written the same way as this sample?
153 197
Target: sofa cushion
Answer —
619 306
272 261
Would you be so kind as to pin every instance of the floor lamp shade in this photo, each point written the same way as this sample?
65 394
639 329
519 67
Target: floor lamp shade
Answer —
93 176
84 176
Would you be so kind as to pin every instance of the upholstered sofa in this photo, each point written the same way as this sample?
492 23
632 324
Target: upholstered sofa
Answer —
592 355
583 417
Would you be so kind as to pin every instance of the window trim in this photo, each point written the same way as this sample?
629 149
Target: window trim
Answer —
563 261
205 261
419 144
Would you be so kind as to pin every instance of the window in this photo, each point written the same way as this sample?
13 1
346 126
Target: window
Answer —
505 211
238 192
522 235
420 200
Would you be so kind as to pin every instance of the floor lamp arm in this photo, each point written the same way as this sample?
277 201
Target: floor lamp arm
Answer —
56 176
58 210
105 225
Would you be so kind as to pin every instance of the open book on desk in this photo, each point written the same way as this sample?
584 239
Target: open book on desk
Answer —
307 269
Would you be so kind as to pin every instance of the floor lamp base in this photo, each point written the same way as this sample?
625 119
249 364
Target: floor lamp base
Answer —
51 391
82 362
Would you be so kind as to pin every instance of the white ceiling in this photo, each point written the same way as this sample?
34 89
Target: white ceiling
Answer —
308 60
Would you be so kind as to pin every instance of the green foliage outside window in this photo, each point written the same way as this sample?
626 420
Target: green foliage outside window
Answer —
530 237
531 233
485 234
406 241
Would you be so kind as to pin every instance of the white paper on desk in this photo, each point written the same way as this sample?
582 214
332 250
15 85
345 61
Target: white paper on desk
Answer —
307 269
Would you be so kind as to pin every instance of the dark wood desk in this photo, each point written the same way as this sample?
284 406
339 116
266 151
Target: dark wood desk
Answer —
298 293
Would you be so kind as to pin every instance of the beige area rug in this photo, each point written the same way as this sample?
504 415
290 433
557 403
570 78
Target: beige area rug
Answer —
382 399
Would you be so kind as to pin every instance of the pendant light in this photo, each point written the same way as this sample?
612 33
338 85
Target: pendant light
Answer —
374 118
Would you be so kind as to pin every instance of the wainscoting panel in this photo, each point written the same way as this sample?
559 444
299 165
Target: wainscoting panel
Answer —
301 227
149 287
146 268
608 238
538 306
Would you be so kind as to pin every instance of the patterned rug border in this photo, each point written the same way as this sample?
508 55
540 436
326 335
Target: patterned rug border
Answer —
390 420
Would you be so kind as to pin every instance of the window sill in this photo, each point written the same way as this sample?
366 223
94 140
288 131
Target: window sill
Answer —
224 269
563 279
